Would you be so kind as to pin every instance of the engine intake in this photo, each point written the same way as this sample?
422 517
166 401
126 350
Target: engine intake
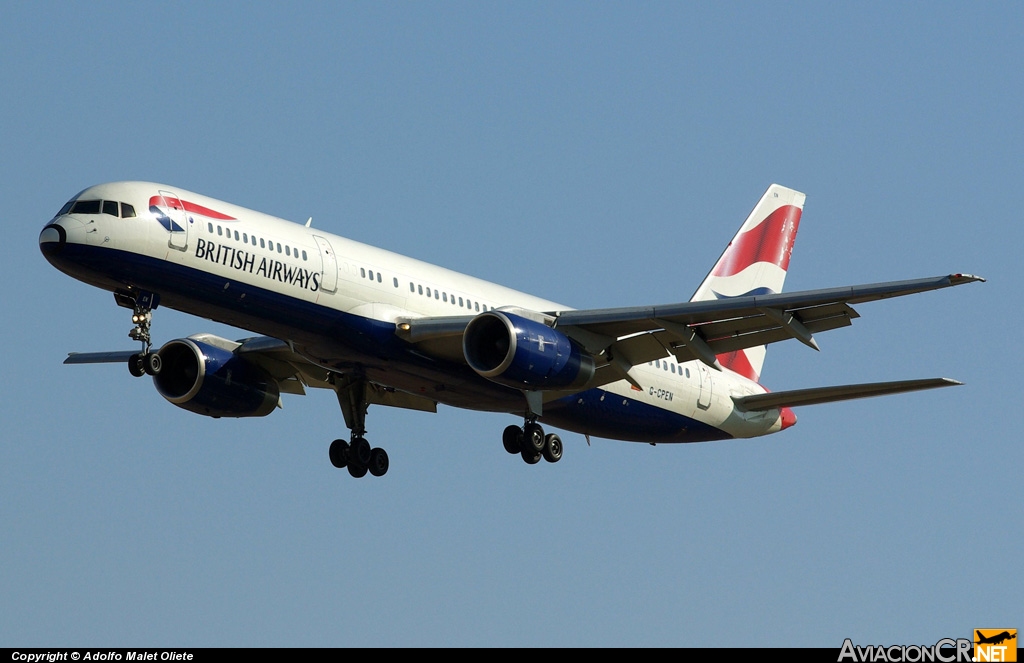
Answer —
214 382
521 353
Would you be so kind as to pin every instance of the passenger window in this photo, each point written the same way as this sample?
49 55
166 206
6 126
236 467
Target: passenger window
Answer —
420 289
460 301
254 240
209 227
371 274
220 231
127 211
304 254
378 278
687 372
236 235
437 294
362 272
245 238
428 291
279 247
262 245
445 296
287 250
672 367
396 281
476 306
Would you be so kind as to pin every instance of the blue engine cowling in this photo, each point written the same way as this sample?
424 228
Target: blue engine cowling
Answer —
521 353
214 382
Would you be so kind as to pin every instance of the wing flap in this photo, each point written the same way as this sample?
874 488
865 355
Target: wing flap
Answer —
378 395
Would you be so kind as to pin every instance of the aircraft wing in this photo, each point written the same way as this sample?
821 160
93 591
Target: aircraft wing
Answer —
701 330
286 365
704 329
279 359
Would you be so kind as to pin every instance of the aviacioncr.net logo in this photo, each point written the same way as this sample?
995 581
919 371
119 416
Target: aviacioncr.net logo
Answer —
995 644
946 650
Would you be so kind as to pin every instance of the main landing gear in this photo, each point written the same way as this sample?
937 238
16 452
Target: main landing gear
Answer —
358 456
142 304
531 443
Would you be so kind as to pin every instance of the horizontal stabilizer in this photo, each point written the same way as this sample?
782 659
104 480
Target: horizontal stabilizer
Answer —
777 399
118 356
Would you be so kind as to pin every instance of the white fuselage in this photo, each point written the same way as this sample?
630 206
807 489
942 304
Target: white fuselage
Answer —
338 300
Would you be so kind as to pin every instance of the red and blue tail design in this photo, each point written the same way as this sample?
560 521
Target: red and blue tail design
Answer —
755 263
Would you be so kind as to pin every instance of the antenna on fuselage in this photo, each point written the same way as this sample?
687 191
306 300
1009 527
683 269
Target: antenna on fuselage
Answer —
309 222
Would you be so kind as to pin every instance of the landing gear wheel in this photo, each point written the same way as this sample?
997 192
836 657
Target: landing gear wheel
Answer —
152 363
339 453
378 462
357 455
359 452
136 365
530 456
552 448
511 439
533 438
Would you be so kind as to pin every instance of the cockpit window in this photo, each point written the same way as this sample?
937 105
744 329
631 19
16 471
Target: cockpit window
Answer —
67 207
110 207
127 211
86 207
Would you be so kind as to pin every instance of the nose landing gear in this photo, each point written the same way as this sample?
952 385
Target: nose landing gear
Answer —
142 305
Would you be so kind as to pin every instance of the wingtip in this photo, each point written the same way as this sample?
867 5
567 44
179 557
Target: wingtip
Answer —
965 278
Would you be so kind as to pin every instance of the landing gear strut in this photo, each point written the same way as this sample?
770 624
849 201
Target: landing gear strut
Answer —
142 305
358 456
531 443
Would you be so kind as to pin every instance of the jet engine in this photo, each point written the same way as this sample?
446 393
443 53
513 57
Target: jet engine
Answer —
212 381
522 353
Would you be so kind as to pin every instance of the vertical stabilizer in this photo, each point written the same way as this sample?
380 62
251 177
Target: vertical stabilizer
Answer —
755 263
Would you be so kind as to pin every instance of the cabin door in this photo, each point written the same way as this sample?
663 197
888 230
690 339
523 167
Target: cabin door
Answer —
704 376
329 276
174 218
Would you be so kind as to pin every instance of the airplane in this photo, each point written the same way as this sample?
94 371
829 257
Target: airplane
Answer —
380 328
997 639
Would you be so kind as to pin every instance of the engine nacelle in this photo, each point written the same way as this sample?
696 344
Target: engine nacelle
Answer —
212 381
521 353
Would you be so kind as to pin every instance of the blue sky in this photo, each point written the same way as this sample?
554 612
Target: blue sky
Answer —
597 154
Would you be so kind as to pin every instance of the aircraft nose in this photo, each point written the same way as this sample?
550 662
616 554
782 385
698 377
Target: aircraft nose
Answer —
788 418
52 239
